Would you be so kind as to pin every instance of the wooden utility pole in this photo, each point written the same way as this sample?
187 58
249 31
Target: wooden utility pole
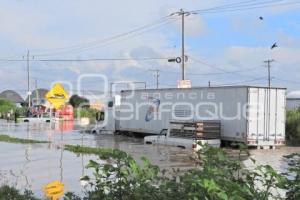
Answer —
157 74
182 43
28 79
269 71
182 13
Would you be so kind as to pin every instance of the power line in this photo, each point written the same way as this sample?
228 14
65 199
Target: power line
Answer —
237 5
243 4
223 70
87 60
245 7
246 81
285 80
212 73
134 32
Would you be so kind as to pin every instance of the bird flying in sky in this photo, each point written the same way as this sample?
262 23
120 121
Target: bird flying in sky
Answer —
274 46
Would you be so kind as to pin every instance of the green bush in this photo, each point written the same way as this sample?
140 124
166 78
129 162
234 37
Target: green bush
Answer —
10 193
21 112
86 112
293 127
218 177
293 183
78 101
6 106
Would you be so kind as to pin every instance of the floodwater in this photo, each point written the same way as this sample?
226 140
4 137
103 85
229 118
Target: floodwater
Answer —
32 166
272 157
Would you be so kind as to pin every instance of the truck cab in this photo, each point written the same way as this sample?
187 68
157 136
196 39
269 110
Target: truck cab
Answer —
105 118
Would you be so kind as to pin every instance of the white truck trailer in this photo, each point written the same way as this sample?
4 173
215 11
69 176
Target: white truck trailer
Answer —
249 114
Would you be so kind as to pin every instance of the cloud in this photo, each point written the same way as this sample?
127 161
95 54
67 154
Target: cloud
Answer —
252 55
294 94
54 24
194 25
288 40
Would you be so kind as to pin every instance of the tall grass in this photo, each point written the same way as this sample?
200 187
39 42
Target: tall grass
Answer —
7 138
293 127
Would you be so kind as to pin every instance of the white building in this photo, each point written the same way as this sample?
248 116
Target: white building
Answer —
293 100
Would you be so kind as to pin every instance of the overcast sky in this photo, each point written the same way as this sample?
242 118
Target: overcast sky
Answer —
222 47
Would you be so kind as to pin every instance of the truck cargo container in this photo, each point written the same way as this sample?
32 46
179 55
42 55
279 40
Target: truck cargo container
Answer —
249 114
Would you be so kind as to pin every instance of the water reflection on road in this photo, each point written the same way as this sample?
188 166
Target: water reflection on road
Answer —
33 165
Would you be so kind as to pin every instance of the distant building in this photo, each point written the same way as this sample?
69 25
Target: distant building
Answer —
97 105
12 96
292 103
293 100
37 97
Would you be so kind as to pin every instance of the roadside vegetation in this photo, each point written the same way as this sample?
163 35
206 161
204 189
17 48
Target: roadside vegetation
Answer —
22 111
77 101
7 138
86 113
293 127
10 193
117 176
6 107
103 153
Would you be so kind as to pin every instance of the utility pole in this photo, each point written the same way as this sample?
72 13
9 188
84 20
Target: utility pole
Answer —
36 93
266 137
156 75
269 71
182 13
28 80
182 43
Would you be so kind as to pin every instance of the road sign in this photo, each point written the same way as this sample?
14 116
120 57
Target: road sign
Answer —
54 190
184 84
57 96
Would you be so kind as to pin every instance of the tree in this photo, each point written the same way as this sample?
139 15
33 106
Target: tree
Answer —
6 106
77 101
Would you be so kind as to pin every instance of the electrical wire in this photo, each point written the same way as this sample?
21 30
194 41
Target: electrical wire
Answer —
87 60
244 7
223 70
137 31
237 5
285 80
211 74
246 81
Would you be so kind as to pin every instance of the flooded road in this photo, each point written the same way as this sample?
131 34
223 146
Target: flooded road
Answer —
272 157
33 165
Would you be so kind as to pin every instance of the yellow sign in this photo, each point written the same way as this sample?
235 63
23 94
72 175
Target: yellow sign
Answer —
57 95
54 190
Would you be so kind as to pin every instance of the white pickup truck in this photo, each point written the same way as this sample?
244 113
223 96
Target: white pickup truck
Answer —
188 135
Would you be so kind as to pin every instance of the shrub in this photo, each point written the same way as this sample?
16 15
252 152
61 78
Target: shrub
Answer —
77 101
293 181
6 106
293 127
218 177
86 112
10 193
